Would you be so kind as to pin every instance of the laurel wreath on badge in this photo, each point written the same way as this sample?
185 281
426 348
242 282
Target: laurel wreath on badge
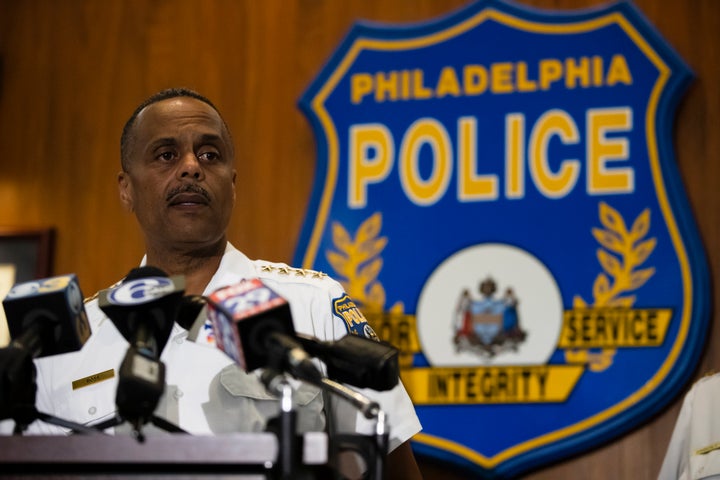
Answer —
357 262
622 253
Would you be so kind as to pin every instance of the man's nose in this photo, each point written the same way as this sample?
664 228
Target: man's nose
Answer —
190 167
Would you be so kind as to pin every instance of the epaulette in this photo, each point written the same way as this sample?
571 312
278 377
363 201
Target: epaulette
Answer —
285 270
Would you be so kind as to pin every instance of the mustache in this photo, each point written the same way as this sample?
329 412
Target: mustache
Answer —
188 188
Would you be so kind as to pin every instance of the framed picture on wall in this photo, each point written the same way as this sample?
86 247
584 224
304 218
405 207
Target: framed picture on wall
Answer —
25 254
28 251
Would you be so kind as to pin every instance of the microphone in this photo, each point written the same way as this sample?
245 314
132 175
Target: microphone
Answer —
358 361
143 308
45 317
191 314
253 326
354 360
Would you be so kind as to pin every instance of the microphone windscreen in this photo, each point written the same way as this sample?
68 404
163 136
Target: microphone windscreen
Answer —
192 314
56 306
244 316
147 298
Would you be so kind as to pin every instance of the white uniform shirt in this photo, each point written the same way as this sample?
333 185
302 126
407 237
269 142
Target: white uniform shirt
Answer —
694 449
206 393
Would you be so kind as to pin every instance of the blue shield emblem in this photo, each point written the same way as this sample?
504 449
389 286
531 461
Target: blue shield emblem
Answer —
497 191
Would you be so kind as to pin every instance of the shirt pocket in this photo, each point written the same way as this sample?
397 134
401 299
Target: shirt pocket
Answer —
705 466
245 400
88 405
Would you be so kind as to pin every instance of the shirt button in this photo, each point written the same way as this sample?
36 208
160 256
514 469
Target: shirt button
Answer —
178 394
179 339
92 410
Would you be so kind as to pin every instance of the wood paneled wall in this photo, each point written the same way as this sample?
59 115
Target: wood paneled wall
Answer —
72 71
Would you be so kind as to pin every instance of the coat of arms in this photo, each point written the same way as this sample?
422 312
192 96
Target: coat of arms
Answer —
488 325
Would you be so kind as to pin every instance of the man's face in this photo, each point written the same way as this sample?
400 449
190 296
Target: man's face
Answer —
180 181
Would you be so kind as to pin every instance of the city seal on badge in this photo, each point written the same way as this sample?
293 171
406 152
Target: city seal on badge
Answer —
489 325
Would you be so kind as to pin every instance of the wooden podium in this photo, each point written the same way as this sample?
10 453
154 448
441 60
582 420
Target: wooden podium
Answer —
242 455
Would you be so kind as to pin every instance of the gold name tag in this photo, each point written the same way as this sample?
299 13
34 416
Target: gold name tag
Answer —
93 379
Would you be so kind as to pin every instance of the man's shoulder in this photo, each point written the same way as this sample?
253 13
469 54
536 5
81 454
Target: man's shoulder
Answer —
283 273
92 309
93 298
236 263
710 379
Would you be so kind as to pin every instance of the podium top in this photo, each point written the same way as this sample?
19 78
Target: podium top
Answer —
239 452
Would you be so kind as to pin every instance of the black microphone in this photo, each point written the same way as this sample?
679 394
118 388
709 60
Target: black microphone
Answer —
143 308
45 317
358 361
253 326
18 388
192 314
354 360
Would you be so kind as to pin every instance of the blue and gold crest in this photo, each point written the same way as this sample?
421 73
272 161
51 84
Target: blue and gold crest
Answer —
355 321
497 191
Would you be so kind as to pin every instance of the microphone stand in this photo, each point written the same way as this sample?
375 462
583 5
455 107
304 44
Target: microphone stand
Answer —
289 448
60 422
140 385
18 389
373 451
137 425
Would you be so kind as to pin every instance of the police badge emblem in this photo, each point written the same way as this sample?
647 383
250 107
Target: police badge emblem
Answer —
487 326
496 190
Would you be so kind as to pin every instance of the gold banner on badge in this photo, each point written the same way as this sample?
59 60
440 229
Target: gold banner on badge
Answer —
397 328
478 385
614 327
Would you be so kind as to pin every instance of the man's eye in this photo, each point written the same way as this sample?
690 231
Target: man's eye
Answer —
167 156
209 156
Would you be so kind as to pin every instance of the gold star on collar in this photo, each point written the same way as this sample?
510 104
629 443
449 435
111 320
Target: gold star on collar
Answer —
267 268
283 270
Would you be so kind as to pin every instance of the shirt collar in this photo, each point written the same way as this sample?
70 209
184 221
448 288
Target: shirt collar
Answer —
234 266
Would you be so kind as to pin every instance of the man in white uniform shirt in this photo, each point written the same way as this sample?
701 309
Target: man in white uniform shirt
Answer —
694 449
178 178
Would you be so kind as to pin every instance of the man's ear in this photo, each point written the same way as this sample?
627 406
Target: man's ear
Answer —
125 191
234 177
